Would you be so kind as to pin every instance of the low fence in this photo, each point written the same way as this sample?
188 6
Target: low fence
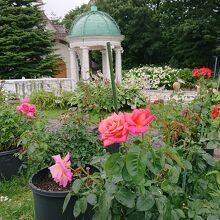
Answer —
24 87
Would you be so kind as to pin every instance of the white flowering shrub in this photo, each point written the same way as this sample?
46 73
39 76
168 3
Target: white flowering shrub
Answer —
152 77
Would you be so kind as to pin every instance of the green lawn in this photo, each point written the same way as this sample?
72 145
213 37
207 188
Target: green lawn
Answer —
53 114
19 205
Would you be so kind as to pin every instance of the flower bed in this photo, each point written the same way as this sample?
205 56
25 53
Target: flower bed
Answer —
153 77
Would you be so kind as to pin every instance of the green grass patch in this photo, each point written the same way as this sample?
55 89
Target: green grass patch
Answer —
19 205
53 114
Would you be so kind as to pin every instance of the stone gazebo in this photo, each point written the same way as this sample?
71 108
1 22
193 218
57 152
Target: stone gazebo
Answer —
92 31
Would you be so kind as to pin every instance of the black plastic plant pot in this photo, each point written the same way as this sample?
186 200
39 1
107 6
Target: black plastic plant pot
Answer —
49 204
9 164
114 148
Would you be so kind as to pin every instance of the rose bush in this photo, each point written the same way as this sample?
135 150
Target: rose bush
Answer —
13 125
142 182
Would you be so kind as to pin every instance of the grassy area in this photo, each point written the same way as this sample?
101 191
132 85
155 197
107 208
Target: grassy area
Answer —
19 205
53 114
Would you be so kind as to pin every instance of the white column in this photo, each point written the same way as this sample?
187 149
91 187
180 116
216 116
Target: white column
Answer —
85 63
74 69
118 64
105 65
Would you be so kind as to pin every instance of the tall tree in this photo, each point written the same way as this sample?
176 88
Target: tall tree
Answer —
183 33
26 48
191 29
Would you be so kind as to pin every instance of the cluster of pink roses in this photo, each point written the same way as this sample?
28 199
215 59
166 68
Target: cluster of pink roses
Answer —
215 113
61 170
202 72
115 128
26 108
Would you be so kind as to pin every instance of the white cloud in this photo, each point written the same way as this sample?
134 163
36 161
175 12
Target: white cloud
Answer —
61 7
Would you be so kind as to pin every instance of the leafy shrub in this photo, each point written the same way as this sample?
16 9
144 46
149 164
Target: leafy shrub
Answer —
43 99
76 139
154 77
12 127
97 96
48 100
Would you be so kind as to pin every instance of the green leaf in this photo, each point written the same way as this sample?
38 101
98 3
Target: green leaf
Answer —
145 202
212 217
76 210
83 204
113 165
209 159
135 164
66 201
180 213
92 199
197 217
126 197
77 185
110 187
103 207
165 186
126 175
173 175
218 178
174 215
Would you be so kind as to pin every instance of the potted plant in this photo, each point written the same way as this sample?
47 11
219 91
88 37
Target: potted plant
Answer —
13 125
52 188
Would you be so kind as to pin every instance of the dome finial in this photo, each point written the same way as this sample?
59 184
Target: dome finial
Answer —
93 6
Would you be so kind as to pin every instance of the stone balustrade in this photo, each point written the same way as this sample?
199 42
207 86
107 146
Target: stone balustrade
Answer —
24 87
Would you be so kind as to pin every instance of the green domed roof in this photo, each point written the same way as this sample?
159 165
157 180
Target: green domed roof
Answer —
94 23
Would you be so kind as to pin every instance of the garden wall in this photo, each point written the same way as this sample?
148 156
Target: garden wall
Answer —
24 87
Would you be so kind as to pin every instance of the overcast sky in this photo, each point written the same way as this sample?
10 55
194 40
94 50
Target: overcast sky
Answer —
61 7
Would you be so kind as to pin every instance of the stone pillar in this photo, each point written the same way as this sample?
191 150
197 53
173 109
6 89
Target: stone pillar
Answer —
105 65
118 64
85 63
74 69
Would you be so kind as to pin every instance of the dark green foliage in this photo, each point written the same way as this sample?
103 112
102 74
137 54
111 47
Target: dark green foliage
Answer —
25 45
76 139
48 100
12 127
97 96
181 33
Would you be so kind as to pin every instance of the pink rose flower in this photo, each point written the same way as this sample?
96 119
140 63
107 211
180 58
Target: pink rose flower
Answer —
32 108
25 107
30 115
61 171
25 100
113 129
138 120
19 109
